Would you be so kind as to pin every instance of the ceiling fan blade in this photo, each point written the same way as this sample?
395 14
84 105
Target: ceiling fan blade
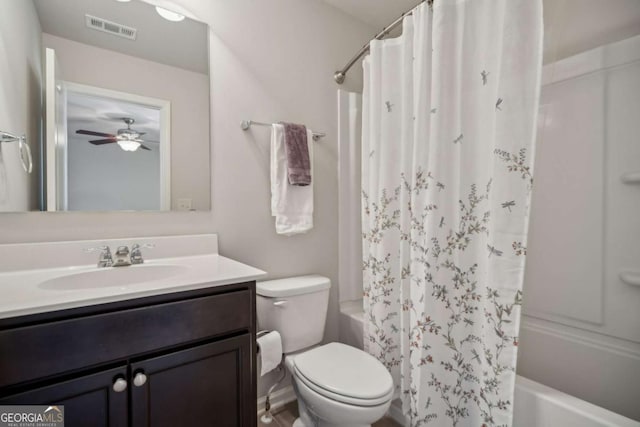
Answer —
89 132
103 141
144 147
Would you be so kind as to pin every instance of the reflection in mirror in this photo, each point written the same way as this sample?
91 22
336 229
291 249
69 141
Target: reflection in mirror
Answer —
117 150
114 101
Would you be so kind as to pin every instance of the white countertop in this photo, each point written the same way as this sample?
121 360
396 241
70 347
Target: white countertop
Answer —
22 293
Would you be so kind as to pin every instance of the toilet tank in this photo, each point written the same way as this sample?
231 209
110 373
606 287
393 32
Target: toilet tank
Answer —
296 307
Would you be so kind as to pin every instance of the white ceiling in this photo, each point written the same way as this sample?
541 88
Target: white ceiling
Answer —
182 44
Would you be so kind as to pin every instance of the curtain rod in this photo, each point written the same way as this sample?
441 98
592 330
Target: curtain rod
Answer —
340 75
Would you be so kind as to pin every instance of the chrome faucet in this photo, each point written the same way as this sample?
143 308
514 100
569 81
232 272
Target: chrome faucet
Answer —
136 252
123 257
105 259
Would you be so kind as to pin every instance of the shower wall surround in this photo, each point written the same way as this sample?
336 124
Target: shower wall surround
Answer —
575 302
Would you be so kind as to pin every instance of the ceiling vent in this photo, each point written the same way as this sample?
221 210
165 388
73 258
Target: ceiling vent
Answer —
110 27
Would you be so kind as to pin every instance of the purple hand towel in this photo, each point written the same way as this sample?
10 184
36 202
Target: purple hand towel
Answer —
297 151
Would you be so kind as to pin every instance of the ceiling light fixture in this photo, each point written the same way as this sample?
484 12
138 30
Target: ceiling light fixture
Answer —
169 15
128 144
124 1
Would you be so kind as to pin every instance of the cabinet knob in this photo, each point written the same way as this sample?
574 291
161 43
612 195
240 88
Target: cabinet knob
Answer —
119 385
139 379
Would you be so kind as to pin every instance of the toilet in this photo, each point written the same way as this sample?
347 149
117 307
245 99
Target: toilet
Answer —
335 384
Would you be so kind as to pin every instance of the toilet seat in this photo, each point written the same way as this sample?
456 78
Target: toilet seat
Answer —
344 374
342 398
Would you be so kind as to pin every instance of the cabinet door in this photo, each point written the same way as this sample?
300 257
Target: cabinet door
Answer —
207 385
88 401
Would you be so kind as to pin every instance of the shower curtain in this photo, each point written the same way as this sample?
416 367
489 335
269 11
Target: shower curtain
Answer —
449 115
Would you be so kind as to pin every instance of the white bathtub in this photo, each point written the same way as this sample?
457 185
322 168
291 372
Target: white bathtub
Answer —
536 405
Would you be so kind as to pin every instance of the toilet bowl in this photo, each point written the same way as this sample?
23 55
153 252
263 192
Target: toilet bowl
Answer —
335 384
340 385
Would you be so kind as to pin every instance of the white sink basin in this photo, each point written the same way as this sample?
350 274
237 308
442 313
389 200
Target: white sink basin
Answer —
114 277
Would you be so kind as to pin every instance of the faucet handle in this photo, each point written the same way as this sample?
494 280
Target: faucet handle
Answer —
105 260
136 252
103 248
143 246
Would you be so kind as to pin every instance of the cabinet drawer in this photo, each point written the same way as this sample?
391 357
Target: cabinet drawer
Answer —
39 351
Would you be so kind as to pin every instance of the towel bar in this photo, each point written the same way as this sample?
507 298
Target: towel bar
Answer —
630 278
631 178
23 148
246 125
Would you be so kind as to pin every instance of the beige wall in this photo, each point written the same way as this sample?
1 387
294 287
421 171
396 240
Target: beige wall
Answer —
573 26
270 60
89 65
20 98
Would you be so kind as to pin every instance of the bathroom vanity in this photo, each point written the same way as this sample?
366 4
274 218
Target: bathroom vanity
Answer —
183 353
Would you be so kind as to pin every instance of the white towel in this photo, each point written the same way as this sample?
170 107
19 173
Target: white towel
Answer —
292 205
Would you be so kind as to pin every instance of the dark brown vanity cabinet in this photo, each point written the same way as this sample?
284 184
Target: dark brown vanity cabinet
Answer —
172 360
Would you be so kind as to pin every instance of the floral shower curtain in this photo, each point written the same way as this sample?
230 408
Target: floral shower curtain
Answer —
449 112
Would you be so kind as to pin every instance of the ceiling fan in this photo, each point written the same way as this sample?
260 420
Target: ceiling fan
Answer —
128 139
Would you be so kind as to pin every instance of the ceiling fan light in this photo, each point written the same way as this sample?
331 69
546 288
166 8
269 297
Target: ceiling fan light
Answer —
169 15
129 145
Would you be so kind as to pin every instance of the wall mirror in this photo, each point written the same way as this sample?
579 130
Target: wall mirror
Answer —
112 97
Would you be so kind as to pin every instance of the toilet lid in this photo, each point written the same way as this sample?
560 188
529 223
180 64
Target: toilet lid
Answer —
346 371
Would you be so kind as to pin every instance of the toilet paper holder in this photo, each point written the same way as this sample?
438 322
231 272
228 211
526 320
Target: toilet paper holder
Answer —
260 334
266 418
281 364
